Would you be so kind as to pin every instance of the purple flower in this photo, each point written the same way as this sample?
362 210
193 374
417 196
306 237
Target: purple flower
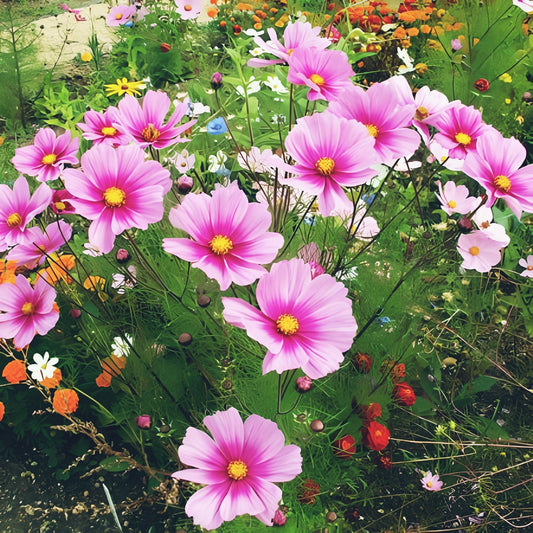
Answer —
456 44
239 465
144 421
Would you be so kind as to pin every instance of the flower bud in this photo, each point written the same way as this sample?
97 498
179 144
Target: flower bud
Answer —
185 339
526 97
303 384
464 225
279 518
317 426
216 80
144 421
482 85
122 255
203 300
185 184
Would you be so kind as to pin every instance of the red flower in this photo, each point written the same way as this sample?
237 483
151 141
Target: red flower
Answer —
376 436
2 410
344 447
65 401
384 461
482 85
165 47
397 372
237 29
15 371
308 491
370 412
404 393
362 362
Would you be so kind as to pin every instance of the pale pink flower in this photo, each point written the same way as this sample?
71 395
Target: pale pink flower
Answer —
296 35
330 153
304 322
119 15
239 465
496 166
326 72
117 189
103 127
528 265
146 124
482 217
189 9
26 310
454 198
479 251
230 237
182 161
39 244
386 117
524 5
431 482
18 208
310 253
47 156
256 160
428 103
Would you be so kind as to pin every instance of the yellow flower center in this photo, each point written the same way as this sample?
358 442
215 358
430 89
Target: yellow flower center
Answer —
60 206
463 138
452 204
372 130
503 183
317 79
114 197
325 166
474 250
49 159
290 51
14 220
220 244
421 113
287 324
151 133
188 7
109 131
124 87
237 470
118 16
28 308
529 267
429 484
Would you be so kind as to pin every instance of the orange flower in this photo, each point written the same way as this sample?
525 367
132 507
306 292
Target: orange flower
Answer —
399 33
54 381
7 271
58 269
94 283
241 6
434 45
2 411
406 43
475 41
425 28
103 380
258 25
113 365
437 30
15 371
212 12
65 401
222 23
282 20
413 32
273 10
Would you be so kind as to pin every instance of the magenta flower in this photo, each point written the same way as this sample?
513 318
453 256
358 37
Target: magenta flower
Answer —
303 322
528 265
386 117
239 465
330 153
459 128
428 103
454 198
119 15
26 310
230 237
39 244
18 208
431 482
60 204
117 190
326 72
479 251
189 9
145 124
103 127
297 34
47 156
496 166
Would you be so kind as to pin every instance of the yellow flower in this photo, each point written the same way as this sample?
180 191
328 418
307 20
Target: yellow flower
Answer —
1 140
123 86
86 57
507 101
93 283
421 68
506 78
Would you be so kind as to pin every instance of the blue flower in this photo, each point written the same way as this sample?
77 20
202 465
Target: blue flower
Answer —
129 24
368 198
382 320
217 126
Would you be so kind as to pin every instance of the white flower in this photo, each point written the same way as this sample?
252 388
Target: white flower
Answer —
183 161
483 219
253 33
92 250
255 160
275 84
256 52
43 367
197 108
216 161
251 87
122 282
121 347
408 65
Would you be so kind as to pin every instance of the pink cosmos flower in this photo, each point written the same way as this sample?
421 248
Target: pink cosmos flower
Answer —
496 166
103 127
330 153
454 198
428 103
524 5
18 208
303 322
39 244
26 310
117 190
145 124
528 265
60 204
189 9
310 253
326 72
119 15
479 251
483 220
459 128
431 482
239 465
47 156
297 34
385 116
230 237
